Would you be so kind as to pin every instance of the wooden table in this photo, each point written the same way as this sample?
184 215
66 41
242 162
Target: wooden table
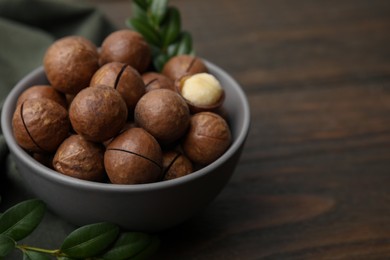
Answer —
314 178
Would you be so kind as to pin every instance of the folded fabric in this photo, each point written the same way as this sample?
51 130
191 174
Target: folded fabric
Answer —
28 27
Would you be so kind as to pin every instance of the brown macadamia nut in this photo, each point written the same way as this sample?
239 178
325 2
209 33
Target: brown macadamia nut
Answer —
164 114
70 62
128 47
127 126
79 158
181 65
175 165
98 113
154 80
207 139
202 92
133 157
40 125
43 91
122 77
104 116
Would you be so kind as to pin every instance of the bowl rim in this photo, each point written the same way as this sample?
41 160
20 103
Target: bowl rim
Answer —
54 176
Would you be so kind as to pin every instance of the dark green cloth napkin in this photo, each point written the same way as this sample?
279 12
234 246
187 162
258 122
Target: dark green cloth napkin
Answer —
28 27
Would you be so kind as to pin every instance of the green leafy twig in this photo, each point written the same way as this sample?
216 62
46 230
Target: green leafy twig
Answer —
96 241
160 25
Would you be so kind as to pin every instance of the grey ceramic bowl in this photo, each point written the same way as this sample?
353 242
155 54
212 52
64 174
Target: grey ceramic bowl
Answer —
145 207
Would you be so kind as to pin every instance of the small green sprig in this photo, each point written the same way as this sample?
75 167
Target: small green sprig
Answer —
95 241
160 25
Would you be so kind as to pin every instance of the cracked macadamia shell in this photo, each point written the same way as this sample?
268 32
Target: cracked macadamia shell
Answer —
175 165
43 91
98 113
79 158
133 157
40 125
164 114
154 80
122 77
181 65
70 62
207 139
128 47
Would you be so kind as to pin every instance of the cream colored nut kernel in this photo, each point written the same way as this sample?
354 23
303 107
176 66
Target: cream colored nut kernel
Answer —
202 89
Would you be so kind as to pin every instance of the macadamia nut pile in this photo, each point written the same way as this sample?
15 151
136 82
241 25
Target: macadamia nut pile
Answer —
106 115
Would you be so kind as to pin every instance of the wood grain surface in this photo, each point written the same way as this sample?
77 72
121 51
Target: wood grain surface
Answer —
314 178
313 181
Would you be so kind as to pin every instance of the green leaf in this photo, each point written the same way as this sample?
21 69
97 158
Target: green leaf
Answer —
182 46
128 245
149 250
89 240
172 49
20 220
7 244
185 44
142 4
171 27
160 25
138 12
147 31
32 255
159 61
158 9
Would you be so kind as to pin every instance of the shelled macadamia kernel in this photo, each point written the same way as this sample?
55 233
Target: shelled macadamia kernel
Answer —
202 92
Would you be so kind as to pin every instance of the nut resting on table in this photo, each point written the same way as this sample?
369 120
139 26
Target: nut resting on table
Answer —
107 116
